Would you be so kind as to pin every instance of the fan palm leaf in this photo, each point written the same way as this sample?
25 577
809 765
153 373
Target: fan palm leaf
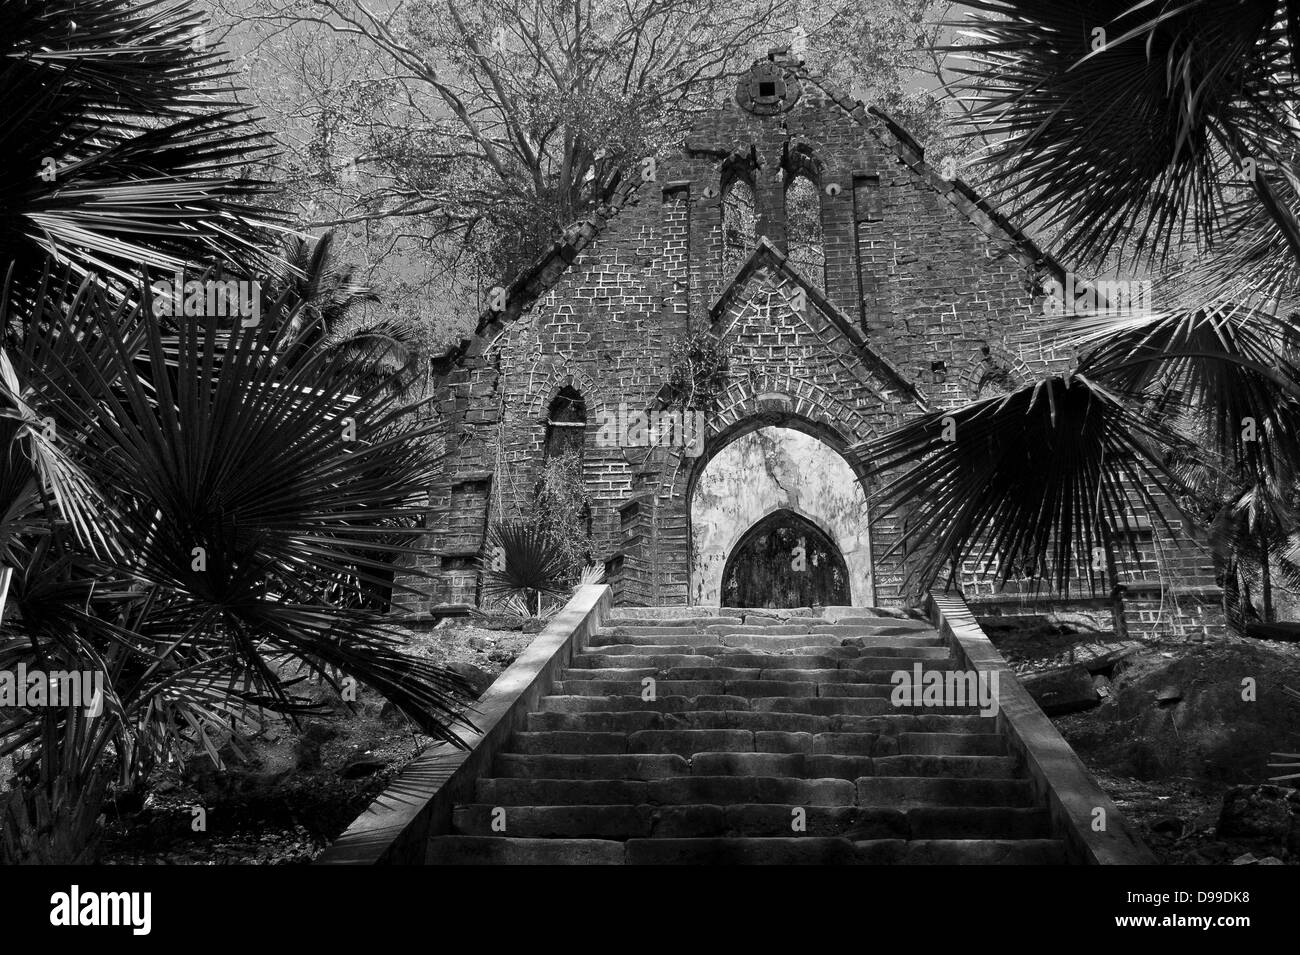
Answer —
246 489
1226 369
1039 478
1119 124
523 560
122 143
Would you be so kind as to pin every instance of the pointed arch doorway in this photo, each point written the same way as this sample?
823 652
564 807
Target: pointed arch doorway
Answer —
785 560
755 475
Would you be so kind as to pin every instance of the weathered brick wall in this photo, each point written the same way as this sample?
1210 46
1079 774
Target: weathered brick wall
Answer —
925 297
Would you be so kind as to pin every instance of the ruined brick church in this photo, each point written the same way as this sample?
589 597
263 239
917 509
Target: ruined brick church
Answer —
849 285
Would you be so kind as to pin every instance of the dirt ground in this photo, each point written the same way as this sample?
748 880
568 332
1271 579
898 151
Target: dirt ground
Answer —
288 791
1169 765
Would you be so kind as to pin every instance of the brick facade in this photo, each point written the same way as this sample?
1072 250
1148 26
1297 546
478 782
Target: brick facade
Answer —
927 300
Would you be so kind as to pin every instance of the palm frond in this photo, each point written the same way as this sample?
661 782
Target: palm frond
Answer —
591 574
523 560
122 143
1039 478
248 491
1118 124
1224 368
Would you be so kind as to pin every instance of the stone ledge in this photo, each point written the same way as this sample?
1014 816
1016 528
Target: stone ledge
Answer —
432 615
1135 587
1059 776
396 827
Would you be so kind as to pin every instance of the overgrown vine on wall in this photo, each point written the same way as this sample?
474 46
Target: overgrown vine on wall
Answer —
699 368
562 508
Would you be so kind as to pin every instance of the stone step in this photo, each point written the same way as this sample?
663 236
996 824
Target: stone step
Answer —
898 643
687 790
842 851
606 722
498 791
952 744
968 822
760 641
838 704
557 822
793 765
833 614
689 742
728 673
906 792
626 674
704 610
836 675
758 661
807 850
746 688
912 652
951 767
764 641
865 626
867 620
833 766
550 766
719 652
664 629
628 721
685 622
630 821
604 661
679 742
627 702
621 649
484 850
686 688
841 674
763 620
773 629
984 852
891 665
811 850
810 705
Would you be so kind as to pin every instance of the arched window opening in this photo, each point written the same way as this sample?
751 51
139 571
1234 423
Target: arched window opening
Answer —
805 246
566 424
739 225
561 504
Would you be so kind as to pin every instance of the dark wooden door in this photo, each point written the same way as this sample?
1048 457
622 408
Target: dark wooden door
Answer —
785 561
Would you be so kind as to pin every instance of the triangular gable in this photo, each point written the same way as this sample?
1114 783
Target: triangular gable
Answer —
974 208
768 254
555 262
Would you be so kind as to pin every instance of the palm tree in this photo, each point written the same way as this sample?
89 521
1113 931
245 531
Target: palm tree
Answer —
524 564
1125 129
184 511
123 144
247 494
334 313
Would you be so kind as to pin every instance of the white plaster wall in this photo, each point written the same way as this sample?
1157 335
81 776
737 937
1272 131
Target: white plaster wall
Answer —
764 471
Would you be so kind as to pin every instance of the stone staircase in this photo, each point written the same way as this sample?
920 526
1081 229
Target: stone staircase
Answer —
751 738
